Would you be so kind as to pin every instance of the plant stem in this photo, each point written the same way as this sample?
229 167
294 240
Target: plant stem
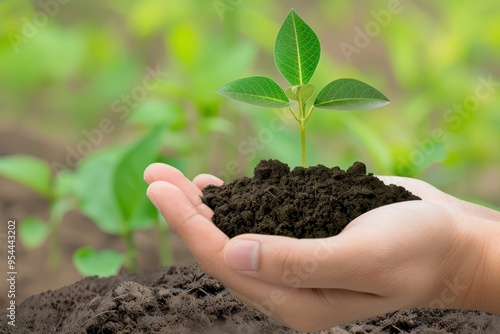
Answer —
302 120
54 252
303 140
130 262
164 243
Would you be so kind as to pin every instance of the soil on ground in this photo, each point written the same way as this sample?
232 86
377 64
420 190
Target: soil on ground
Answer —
313 202
182 299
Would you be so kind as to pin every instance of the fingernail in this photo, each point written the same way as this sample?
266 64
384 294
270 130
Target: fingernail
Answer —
243 255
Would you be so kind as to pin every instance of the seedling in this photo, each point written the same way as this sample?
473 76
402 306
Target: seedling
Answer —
296 54
107 187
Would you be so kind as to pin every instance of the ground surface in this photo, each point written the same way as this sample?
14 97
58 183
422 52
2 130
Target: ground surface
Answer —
181 299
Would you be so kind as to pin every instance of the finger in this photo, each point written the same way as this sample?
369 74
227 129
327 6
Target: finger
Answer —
203 180
293 263
201 236
162 172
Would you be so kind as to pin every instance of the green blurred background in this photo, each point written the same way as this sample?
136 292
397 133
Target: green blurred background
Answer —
80 80
62 75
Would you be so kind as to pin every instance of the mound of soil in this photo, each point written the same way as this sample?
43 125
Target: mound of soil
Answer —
314 202
182 299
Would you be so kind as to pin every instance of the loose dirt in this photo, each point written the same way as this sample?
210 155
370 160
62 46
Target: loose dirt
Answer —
314 202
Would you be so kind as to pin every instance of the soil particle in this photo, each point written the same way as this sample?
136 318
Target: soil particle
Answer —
314 202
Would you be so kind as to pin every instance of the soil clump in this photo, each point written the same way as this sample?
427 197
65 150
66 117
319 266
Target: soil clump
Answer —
313 202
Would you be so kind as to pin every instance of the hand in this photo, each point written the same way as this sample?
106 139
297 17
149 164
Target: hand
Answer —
438 252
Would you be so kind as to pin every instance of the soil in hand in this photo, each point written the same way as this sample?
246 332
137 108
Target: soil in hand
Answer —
314 202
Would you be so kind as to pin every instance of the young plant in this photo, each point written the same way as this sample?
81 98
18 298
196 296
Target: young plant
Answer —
36 175
107 187
296 55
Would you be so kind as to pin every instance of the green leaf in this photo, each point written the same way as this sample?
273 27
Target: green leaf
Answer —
33 232
94 189
128 184
259 91
28 171
90 262
301 92
349 94
297 50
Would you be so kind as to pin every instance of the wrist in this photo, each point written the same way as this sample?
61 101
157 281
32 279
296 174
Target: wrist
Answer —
492 293
484 293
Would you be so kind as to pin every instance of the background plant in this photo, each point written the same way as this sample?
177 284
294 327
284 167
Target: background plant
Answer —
108 188
297 52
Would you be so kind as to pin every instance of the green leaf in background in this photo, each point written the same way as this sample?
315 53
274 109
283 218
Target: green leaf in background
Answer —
33 232
90 262
297 50
94 189
349 94
128 184
28 171
259 91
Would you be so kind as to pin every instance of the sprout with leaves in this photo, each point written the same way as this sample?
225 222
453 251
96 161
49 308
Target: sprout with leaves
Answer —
296 54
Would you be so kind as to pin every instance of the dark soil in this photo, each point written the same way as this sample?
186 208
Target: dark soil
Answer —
182 299
178 299
314 202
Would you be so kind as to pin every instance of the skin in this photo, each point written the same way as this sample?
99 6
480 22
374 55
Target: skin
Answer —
440 252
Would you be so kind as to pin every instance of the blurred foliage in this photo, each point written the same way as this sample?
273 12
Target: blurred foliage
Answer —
99 75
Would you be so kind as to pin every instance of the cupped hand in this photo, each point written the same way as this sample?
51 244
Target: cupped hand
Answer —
410 254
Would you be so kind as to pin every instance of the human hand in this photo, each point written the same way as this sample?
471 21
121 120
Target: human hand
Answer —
437 252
